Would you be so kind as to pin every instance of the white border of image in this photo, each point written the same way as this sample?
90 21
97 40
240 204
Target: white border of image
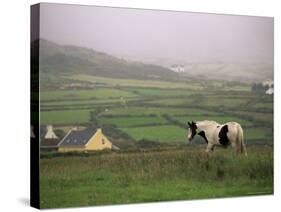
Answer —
14 161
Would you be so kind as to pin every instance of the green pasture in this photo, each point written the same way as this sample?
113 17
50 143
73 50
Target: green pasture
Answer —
155 109
163 92
96 93
147 110
136 83
171 101
86 102
213 101
161 133
239 88
77 104
258 133
243 88
133 121
142 112
65 117
173 174
63 108
256 117
228 86
264 105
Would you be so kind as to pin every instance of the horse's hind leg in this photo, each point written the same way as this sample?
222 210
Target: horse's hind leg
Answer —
239 148
243 149
235 147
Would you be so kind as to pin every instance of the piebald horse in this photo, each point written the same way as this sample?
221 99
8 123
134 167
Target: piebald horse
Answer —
214 134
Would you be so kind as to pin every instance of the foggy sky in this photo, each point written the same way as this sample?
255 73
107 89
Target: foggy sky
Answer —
149 35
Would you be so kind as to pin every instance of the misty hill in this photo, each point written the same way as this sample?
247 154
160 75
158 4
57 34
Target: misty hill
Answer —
229 70
67 59
243 72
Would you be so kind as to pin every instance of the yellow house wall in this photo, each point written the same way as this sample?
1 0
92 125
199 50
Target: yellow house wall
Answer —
70 149
96 143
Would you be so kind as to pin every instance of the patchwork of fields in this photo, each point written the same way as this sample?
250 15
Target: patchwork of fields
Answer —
158 110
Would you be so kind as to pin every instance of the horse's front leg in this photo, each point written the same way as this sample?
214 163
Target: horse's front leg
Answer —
210 148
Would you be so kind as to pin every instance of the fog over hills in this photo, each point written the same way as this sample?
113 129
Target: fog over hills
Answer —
212 46
220 70
232 71
69 59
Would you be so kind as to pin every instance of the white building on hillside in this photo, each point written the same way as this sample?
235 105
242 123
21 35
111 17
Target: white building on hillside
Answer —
177 68
270 85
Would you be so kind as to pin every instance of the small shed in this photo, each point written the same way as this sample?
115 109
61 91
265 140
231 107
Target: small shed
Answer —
85 140
48 139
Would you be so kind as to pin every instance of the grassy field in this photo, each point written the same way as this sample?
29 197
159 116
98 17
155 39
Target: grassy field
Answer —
259 133
163 92
147 120
136 83
134 110
163 134
266 106
65 117
86 102
151 110
171 101
171 174
133 121
97 93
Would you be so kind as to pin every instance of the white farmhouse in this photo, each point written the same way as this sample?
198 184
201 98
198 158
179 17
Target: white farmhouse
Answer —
177 68
270 85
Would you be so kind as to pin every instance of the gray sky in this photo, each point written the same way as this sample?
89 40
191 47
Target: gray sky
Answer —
159 36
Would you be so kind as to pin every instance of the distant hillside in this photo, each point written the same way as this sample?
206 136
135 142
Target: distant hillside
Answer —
66 59
246 71
256 72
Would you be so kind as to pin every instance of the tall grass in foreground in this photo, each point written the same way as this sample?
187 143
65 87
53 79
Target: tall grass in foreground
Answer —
154 176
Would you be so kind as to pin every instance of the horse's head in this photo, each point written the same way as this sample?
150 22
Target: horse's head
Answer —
192 130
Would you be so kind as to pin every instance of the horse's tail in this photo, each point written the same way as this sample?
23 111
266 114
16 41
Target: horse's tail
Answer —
240 140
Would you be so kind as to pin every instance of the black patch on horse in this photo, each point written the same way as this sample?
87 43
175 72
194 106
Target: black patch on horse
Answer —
223 139
193 128
202 134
